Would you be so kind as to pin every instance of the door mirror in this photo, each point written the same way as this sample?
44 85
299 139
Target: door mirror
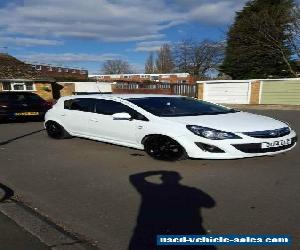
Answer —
121 116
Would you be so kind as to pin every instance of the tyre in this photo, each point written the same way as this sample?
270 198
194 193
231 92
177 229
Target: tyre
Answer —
164 148
56 131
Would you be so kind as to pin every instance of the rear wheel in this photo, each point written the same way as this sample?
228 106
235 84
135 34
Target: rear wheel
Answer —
56 131
164 148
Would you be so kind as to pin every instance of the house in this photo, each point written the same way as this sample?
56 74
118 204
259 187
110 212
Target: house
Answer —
15 75
172 78
61 73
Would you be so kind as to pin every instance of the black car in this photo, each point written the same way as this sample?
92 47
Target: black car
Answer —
20 105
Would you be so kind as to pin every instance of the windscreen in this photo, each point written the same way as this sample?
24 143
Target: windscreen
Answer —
178 106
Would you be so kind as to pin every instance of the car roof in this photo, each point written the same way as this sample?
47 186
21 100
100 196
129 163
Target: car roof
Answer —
119 96
16 93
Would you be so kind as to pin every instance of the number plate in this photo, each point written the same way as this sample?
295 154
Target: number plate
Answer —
276 144
26 113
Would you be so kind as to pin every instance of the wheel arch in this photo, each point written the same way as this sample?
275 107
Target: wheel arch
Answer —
185 153
166 135
57 121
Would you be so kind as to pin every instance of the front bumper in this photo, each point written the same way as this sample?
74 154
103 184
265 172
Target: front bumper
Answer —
236 148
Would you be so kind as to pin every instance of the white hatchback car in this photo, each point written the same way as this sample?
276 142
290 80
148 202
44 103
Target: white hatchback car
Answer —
169 127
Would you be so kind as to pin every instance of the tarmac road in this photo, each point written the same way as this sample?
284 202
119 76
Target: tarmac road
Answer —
96 189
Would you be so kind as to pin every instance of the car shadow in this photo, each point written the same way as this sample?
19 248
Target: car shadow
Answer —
5 193
20 137
168 208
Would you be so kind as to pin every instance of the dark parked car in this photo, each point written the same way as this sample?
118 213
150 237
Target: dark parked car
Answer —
20 105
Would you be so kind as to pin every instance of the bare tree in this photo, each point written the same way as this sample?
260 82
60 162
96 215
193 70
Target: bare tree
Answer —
198 58
164 61
183 54
117 66
149 65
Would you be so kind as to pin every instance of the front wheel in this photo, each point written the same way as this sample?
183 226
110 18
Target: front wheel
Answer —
56 131
164 148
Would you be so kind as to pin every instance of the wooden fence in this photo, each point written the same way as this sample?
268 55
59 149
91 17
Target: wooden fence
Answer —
157 88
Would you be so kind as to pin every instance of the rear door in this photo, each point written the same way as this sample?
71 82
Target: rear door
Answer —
76 114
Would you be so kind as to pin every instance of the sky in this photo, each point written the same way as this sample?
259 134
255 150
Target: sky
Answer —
85 33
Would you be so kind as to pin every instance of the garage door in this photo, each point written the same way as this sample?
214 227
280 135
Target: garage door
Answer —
229 92
281 92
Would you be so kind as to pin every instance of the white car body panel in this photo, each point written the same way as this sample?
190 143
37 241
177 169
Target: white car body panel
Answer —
131 132
232 122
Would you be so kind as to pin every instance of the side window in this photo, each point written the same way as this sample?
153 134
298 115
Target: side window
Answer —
108 107
80 104
67 104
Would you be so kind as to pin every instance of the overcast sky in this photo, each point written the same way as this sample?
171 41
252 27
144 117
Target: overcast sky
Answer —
84 33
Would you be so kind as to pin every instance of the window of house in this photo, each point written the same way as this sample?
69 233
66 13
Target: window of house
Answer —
19 86
6 86
29 86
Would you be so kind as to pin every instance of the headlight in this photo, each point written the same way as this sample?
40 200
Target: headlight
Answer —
211 134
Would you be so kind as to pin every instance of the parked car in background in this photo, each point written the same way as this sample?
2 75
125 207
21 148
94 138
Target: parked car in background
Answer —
22 105
169 127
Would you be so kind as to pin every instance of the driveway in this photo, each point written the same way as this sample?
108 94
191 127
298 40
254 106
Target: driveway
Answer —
110 194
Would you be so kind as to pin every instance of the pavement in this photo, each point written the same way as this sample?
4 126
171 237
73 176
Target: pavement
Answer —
14 237
97 193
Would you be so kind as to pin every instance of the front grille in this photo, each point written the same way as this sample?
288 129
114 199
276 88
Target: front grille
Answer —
269 133
255 148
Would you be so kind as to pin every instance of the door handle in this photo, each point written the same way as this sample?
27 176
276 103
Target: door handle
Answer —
94 120
62 114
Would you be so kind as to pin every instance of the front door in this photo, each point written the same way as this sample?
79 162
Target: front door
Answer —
102 125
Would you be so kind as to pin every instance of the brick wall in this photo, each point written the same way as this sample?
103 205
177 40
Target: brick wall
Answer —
67 89
200 91
44 90
255 89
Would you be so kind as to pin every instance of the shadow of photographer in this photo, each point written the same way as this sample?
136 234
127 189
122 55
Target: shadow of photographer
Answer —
167 208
